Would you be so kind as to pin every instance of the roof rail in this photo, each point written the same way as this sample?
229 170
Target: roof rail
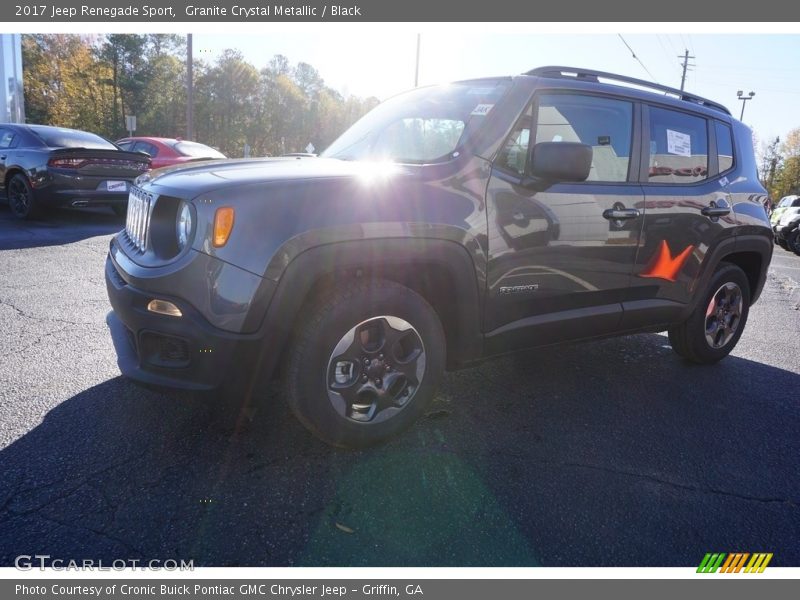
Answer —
591 75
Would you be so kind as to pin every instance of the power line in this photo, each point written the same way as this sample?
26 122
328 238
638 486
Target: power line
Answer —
633 54
664 50
671 45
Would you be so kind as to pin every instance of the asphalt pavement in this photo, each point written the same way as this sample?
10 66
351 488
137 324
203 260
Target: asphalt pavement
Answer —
613 452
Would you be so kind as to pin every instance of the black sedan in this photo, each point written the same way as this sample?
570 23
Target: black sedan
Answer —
42 167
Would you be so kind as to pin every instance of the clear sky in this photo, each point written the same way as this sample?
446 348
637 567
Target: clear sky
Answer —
380 62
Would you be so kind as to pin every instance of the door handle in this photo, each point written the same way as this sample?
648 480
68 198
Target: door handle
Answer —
712 210
3 157
617 214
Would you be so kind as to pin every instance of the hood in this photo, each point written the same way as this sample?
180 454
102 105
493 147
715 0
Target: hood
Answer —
195 178
789 214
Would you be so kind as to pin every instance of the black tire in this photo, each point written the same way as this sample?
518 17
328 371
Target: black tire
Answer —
364 315
21 198
689 339
782 244
120 210
793 242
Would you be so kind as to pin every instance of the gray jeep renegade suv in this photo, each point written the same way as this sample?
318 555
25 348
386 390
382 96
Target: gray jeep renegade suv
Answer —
449 224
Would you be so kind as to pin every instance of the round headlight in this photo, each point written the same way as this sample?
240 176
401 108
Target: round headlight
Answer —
183 225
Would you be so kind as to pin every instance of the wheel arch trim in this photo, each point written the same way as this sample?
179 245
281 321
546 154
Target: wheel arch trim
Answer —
761 245
274 317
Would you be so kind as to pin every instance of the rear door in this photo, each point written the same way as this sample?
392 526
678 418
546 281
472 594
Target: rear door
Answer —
561 256
7 141
687 209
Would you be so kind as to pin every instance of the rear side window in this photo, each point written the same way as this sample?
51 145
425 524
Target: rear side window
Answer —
678 147
605 124
57 137
724 146
196 150
6 138
147 148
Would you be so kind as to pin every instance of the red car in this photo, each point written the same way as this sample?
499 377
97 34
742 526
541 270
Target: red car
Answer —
164 152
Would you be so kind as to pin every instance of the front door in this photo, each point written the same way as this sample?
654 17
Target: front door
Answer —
561 255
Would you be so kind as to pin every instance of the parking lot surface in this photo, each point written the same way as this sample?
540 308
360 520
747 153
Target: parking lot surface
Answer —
612 452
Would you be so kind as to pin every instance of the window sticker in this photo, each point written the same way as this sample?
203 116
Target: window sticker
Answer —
481 110
679 143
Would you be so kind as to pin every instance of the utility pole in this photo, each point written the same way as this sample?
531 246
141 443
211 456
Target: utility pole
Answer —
189 89
416 70
686 66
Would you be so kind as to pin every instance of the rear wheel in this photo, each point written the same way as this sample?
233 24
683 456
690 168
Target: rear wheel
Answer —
715 326
366 362
21 199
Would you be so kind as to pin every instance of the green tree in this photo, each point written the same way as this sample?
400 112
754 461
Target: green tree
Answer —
92 82
64 82
787 173
225 94
126 55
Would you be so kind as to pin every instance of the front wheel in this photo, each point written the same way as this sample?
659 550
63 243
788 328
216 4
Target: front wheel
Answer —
715 326
793 241
365 363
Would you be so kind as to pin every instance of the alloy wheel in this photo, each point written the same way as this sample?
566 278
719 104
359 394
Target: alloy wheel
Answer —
723 315
18 197
376 369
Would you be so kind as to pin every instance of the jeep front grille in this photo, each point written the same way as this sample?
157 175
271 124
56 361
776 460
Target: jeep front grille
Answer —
137 225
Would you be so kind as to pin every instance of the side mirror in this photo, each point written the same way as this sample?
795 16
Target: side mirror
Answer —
561 161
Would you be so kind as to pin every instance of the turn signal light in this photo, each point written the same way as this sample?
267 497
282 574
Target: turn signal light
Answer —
162 307
223 225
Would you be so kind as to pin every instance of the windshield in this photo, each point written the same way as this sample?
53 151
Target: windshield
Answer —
58 137
196 150
421 126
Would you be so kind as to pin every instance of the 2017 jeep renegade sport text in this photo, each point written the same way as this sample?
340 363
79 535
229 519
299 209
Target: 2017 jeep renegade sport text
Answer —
449 224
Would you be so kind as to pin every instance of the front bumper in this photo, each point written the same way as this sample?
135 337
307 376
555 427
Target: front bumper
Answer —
174 352
782 231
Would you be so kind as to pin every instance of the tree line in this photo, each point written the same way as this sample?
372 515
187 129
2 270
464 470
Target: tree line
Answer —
93 82
780 165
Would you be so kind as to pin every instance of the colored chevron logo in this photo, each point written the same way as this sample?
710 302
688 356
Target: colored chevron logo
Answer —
734 562
664 266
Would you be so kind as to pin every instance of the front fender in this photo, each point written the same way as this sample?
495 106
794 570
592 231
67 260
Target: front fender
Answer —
303 267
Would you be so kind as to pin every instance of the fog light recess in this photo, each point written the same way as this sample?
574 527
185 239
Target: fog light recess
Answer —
162 307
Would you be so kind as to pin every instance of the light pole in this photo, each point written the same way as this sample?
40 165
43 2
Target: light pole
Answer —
744 99
416 69
189 88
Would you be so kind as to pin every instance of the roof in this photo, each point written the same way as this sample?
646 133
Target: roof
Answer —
637 88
